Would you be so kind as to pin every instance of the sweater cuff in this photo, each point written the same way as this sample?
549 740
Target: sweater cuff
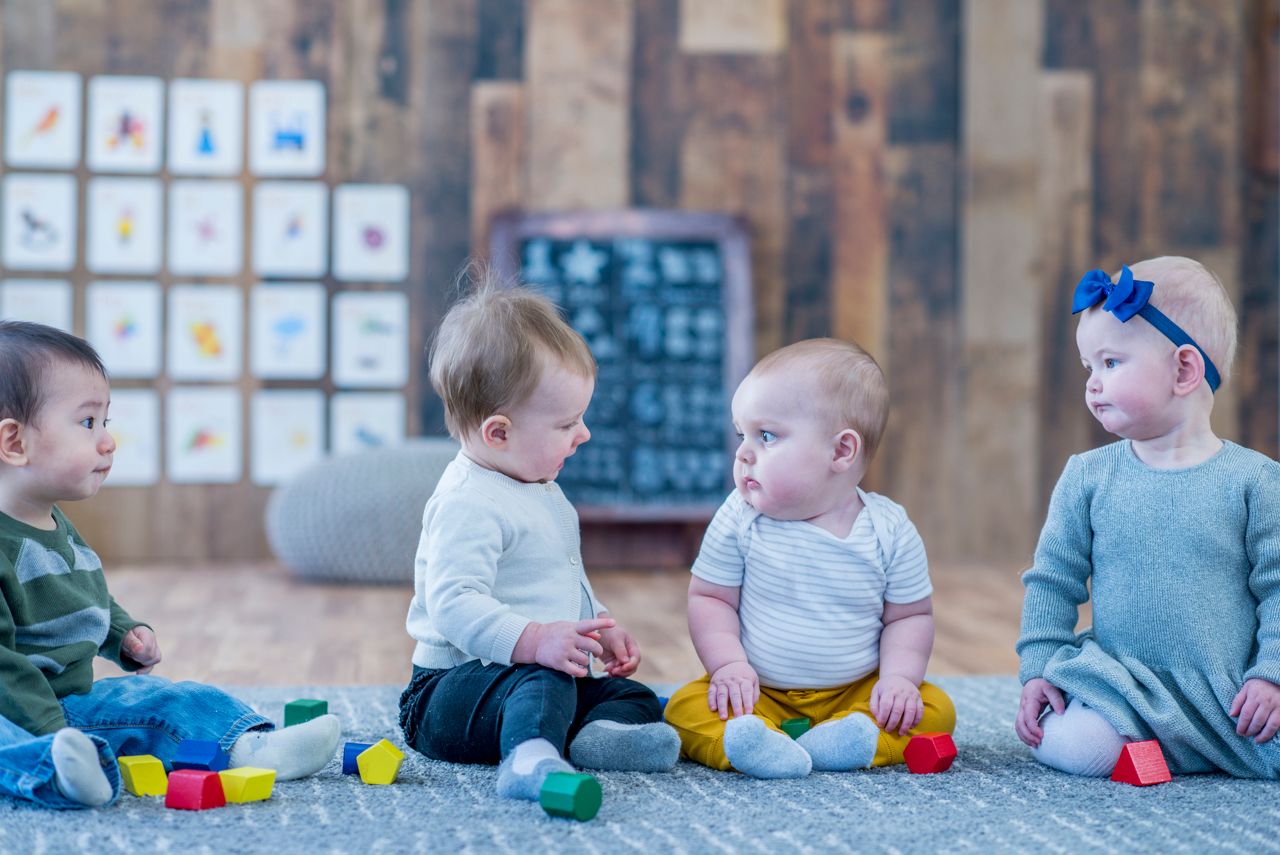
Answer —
1033 662
111 648
52 725
1269 671
509 633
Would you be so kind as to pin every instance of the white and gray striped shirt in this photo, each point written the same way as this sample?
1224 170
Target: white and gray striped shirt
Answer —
811 602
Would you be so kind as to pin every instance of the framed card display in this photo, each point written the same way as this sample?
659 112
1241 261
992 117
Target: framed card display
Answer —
290 228
122 322
39 230
206 127
134 422
42 119
286 128
124 225
203 435
371 232
125 132
287 331
286 431
41 301
205 332
370 339
360 421
206 227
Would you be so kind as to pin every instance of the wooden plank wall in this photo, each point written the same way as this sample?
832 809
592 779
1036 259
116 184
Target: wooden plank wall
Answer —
928 176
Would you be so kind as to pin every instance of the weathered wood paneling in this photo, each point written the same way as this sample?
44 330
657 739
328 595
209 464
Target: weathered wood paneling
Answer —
497 155
733 26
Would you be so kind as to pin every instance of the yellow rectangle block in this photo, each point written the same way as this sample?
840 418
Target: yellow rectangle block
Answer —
143 775
247 784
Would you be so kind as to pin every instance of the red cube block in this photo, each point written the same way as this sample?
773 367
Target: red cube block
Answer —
194 789
1142 764
930 752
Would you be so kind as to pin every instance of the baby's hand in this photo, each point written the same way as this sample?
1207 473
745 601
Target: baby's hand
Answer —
896 704
734 685
1258 706
621 656
568 645
140 645
1035 694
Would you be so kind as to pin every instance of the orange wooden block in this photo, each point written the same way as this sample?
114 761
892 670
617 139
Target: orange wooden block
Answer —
1142 764
930 752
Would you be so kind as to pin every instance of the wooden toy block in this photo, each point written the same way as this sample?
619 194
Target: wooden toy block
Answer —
143 775
194 789
305 709
662 703
1141 764
795 727
927 753
571 795
380 763
351 751
247 784
203 754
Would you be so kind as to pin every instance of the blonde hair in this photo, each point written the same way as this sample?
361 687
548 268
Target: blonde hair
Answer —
855 393
491 347
1194 299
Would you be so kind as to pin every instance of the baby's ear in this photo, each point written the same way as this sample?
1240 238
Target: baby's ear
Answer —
493 430
13 447
847 451
1190 370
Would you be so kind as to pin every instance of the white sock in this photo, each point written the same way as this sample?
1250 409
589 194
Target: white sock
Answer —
521 774
842 745
1079 742
527 755
77 771
756 750
294 752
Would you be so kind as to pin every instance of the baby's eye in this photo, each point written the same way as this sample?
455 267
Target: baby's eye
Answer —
1109 362
767 436
87 423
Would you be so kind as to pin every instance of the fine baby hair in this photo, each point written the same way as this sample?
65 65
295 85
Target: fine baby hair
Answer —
27 353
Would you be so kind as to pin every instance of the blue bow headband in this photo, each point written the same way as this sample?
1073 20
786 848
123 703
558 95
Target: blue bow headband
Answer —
1129 297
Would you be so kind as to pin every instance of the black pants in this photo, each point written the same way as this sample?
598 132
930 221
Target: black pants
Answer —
475 713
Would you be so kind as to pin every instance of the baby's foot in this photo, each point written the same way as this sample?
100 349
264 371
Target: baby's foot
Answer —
756 750
521 774
622 747
842 745
294 752
77 772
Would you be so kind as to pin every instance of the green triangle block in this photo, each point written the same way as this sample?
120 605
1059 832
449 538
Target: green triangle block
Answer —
795 727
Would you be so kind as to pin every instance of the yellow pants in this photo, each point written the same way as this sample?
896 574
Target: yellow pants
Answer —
702 732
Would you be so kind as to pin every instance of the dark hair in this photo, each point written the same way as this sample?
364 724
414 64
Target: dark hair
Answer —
27 352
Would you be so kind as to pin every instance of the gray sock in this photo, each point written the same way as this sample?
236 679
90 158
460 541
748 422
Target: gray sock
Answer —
516 785
77 771
755 750
619 747
842 745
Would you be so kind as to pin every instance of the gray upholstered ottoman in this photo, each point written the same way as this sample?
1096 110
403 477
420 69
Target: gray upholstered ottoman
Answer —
357 517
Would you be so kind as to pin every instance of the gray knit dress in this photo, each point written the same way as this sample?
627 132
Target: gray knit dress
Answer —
1184 568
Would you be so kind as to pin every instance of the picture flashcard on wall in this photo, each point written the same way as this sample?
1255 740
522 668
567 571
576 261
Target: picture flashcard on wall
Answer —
125 116
122 322
124 225
361 421
287 331
371 233
134 422
205 336
286 433
40 301
206 127
206 228
370 339
39 222
290 228
203 435
42 119
286 128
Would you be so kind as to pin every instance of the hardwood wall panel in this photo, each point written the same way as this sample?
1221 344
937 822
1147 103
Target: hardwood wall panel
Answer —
497 153
733 26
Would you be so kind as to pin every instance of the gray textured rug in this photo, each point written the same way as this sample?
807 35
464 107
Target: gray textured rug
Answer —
995 798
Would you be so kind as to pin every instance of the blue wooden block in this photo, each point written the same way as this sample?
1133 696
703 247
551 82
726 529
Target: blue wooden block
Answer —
350 751
662 703
202 754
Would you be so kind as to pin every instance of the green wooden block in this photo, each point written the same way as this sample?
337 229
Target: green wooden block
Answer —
795 727
572 795
296 712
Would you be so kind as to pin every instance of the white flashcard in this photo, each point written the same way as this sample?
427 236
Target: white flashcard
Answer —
125 116
286 128
42 119
39 222
290 227
287 331
124 225
360 421
203 435
205 332
370 339
371 232
122 322
286 433
41 301
134 422
206 127
206 228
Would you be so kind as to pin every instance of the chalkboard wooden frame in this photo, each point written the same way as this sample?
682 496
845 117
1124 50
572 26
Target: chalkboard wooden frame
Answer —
729 233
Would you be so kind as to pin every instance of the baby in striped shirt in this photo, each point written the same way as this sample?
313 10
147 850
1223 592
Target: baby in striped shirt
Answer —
810 597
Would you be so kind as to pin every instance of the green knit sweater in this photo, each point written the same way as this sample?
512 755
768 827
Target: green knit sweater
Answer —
55 616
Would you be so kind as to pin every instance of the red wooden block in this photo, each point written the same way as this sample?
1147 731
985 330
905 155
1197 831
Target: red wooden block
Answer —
930 752
1142 764
194 789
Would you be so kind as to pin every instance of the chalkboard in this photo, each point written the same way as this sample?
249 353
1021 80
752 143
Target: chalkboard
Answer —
664 300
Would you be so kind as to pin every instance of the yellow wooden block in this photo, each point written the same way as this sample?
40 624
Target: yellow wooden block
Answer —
380 763
247 784
143 775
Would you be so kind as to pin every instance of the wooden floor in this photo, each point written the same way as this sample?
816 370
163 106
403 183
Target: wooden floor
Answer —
241 624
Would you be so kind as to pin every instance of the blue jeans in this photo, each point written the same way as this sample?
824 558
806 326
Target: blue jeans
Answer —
123 715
